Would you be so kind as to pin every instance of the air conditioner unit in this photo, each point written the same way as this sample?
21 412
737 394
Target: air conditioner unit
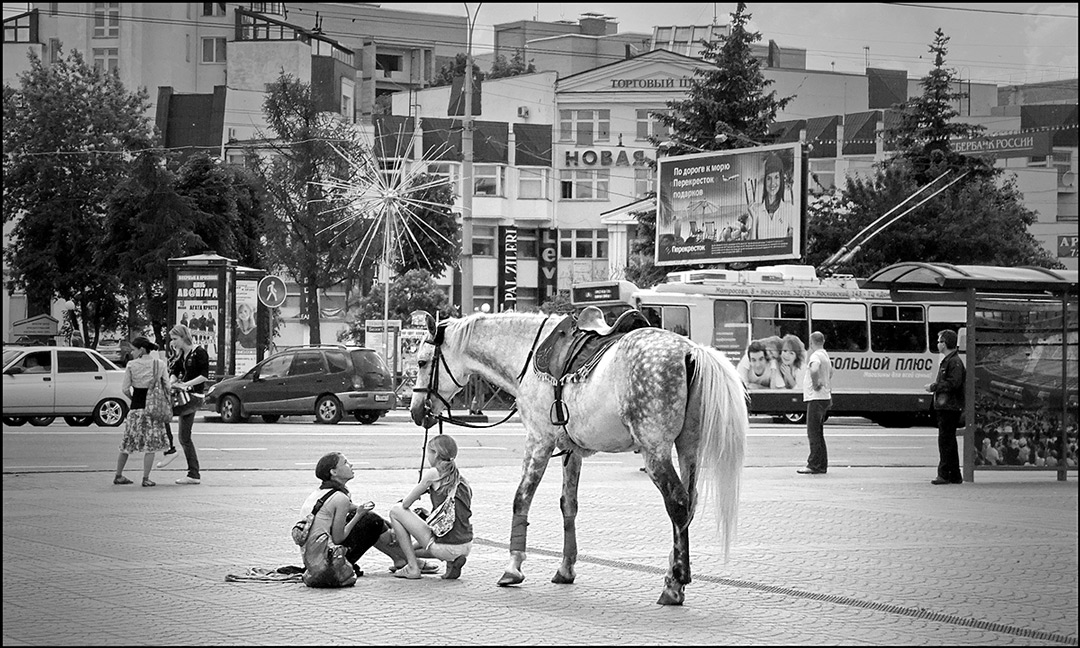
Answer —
523 112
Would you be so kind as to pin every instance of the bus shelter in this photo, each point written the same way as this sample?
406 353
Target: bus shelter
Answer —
1020 347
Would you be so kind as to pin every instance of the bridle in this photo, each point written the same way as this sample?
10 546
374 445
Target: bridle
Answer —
438 359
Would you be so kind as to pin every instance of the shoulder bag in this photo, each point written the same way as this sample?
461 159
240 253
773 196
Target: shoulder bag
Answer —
302 529
442 518
158 407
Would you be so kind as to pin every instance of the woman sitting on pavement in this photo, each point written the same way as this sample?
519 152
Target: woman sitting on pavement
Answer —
438 481
356 527
140 433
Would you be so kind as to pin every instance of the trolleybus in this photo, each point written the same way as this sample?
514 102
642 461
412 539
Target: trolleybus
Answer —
883 352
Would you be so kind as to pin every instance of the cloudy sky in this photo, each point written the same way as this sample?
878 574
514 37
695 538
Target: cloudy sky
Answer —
992 43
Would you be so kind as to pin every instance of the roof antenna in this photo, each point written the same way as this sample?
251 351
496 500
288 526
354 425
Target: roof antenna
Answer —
318 24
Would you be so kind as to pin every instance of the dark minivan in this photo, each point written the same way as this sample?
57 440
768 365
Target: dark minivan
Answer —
328 381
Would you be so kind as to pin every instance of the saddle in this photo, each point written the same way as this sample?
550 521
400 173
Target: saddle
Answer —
570 352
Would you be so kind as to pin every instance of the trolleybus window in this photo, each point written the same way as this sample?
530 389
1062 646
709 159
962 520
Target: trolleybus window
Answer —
673 318
844 325
897 328
779 319
940 318
729 327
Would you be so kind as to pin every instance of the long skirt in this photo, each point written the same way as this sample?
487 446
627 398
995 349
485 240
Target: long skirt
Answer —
143 435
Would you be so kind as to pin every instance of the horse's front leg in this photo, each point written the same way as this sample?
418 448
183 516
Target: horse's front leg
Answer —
677 502
569 505
537 455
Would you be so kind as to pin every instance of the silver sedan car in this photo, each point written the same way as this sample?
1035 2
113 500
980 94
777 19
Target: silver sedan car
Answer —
81 385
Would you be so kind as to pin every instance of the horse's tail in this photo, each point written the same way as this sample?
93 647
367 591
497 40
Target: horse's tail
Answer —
718 393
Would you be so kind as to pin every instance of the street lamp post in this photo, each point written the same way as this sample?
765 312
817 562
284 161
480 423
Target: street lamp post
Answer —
467 174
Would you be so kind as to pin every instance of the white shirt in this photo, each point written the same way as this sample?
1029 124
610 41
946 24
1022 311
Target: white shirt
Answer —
821 364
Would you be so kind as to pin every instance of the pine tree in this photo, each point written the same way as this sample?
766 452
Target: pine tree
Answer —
727 99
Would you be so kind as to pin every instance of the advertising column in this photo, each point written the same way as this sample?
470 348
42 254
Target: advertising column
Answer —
198 293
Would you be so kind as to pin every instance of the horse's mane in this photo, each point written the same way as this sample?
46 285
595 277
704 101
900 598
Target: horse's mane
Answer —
470 335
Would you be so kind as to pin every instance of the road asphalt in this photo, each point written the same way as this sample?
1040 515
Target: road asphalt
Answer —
866 556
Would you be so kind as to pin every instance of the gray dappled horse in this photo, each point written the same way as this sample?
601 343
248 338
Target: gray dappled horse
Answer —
653 389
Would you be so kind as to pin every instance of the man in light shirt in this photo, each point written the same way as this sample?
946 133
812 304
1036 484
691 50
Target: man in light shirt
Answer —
817 392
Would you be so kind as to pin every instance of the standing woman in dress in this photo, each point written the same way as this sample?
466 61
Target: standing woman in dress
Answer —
190 370
140 433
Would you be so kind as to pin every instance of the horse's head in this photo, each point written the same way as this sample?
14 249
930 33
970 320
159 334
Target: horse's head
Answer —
440 375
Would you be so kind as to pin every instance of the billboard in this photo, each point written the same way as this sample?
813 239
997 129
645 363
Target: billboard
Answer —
731 206
198 298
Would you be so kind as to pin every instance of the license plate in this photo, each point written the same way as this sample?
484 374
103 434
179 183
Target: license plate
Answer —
382 397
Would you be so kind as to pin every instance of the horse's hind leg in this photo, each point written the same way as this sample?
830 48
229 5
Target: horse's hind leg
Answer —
537 456
569 505
677 501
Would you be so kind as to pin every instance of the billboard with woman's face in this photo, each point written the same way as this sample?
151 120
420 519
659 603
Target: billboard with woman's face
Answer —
730 206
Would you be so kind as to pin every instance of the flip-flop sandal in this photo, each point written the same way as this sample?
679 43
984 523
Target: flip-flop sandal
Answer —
401 573
425 568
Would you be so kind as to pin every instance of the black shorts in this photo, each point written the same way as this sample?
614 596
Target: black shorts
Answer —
364 535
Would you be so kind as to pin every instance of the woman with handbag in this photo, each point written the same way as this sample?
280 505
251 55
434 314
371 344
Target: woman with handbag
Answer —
447 533
339 523
191 370
144 429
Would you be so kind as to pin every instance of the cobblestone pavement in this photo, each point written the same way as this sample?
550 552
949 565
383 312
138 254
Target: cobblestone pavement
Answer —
869 556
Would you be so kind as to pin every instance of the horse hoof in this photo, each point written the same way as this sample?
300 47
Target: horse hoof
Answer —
509 578
559 579
671 597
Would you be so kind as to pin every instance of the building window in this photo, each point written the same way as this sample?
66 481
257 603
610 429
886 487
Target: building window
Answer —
275 8
532 183
483 241
213 8
584 184
17 30
484 295
488 179
649 126
213 50
528 245
526 300
448 171
584 127
644 182
348 91
583 244
107 59
106 19
388 63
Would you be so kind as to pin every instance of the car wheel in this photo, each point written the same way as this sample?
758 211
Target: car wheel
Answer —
796 418
42 421
328 410
78 421
15 421
110 412
230 409
271 418
367 417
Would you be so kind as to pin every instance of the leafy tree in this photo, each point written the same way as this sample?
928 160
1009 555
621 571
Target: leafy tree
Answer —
69 130
410 291
156 214
304 233
500 68
980 220
729 96
445 75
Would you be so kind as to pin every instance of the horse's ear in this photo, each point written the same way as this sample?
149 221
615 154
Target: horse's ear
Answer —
423 319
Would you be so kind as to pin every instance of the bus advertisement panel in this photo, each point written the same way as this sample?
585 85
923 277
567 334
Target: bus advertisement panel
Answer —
731 206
